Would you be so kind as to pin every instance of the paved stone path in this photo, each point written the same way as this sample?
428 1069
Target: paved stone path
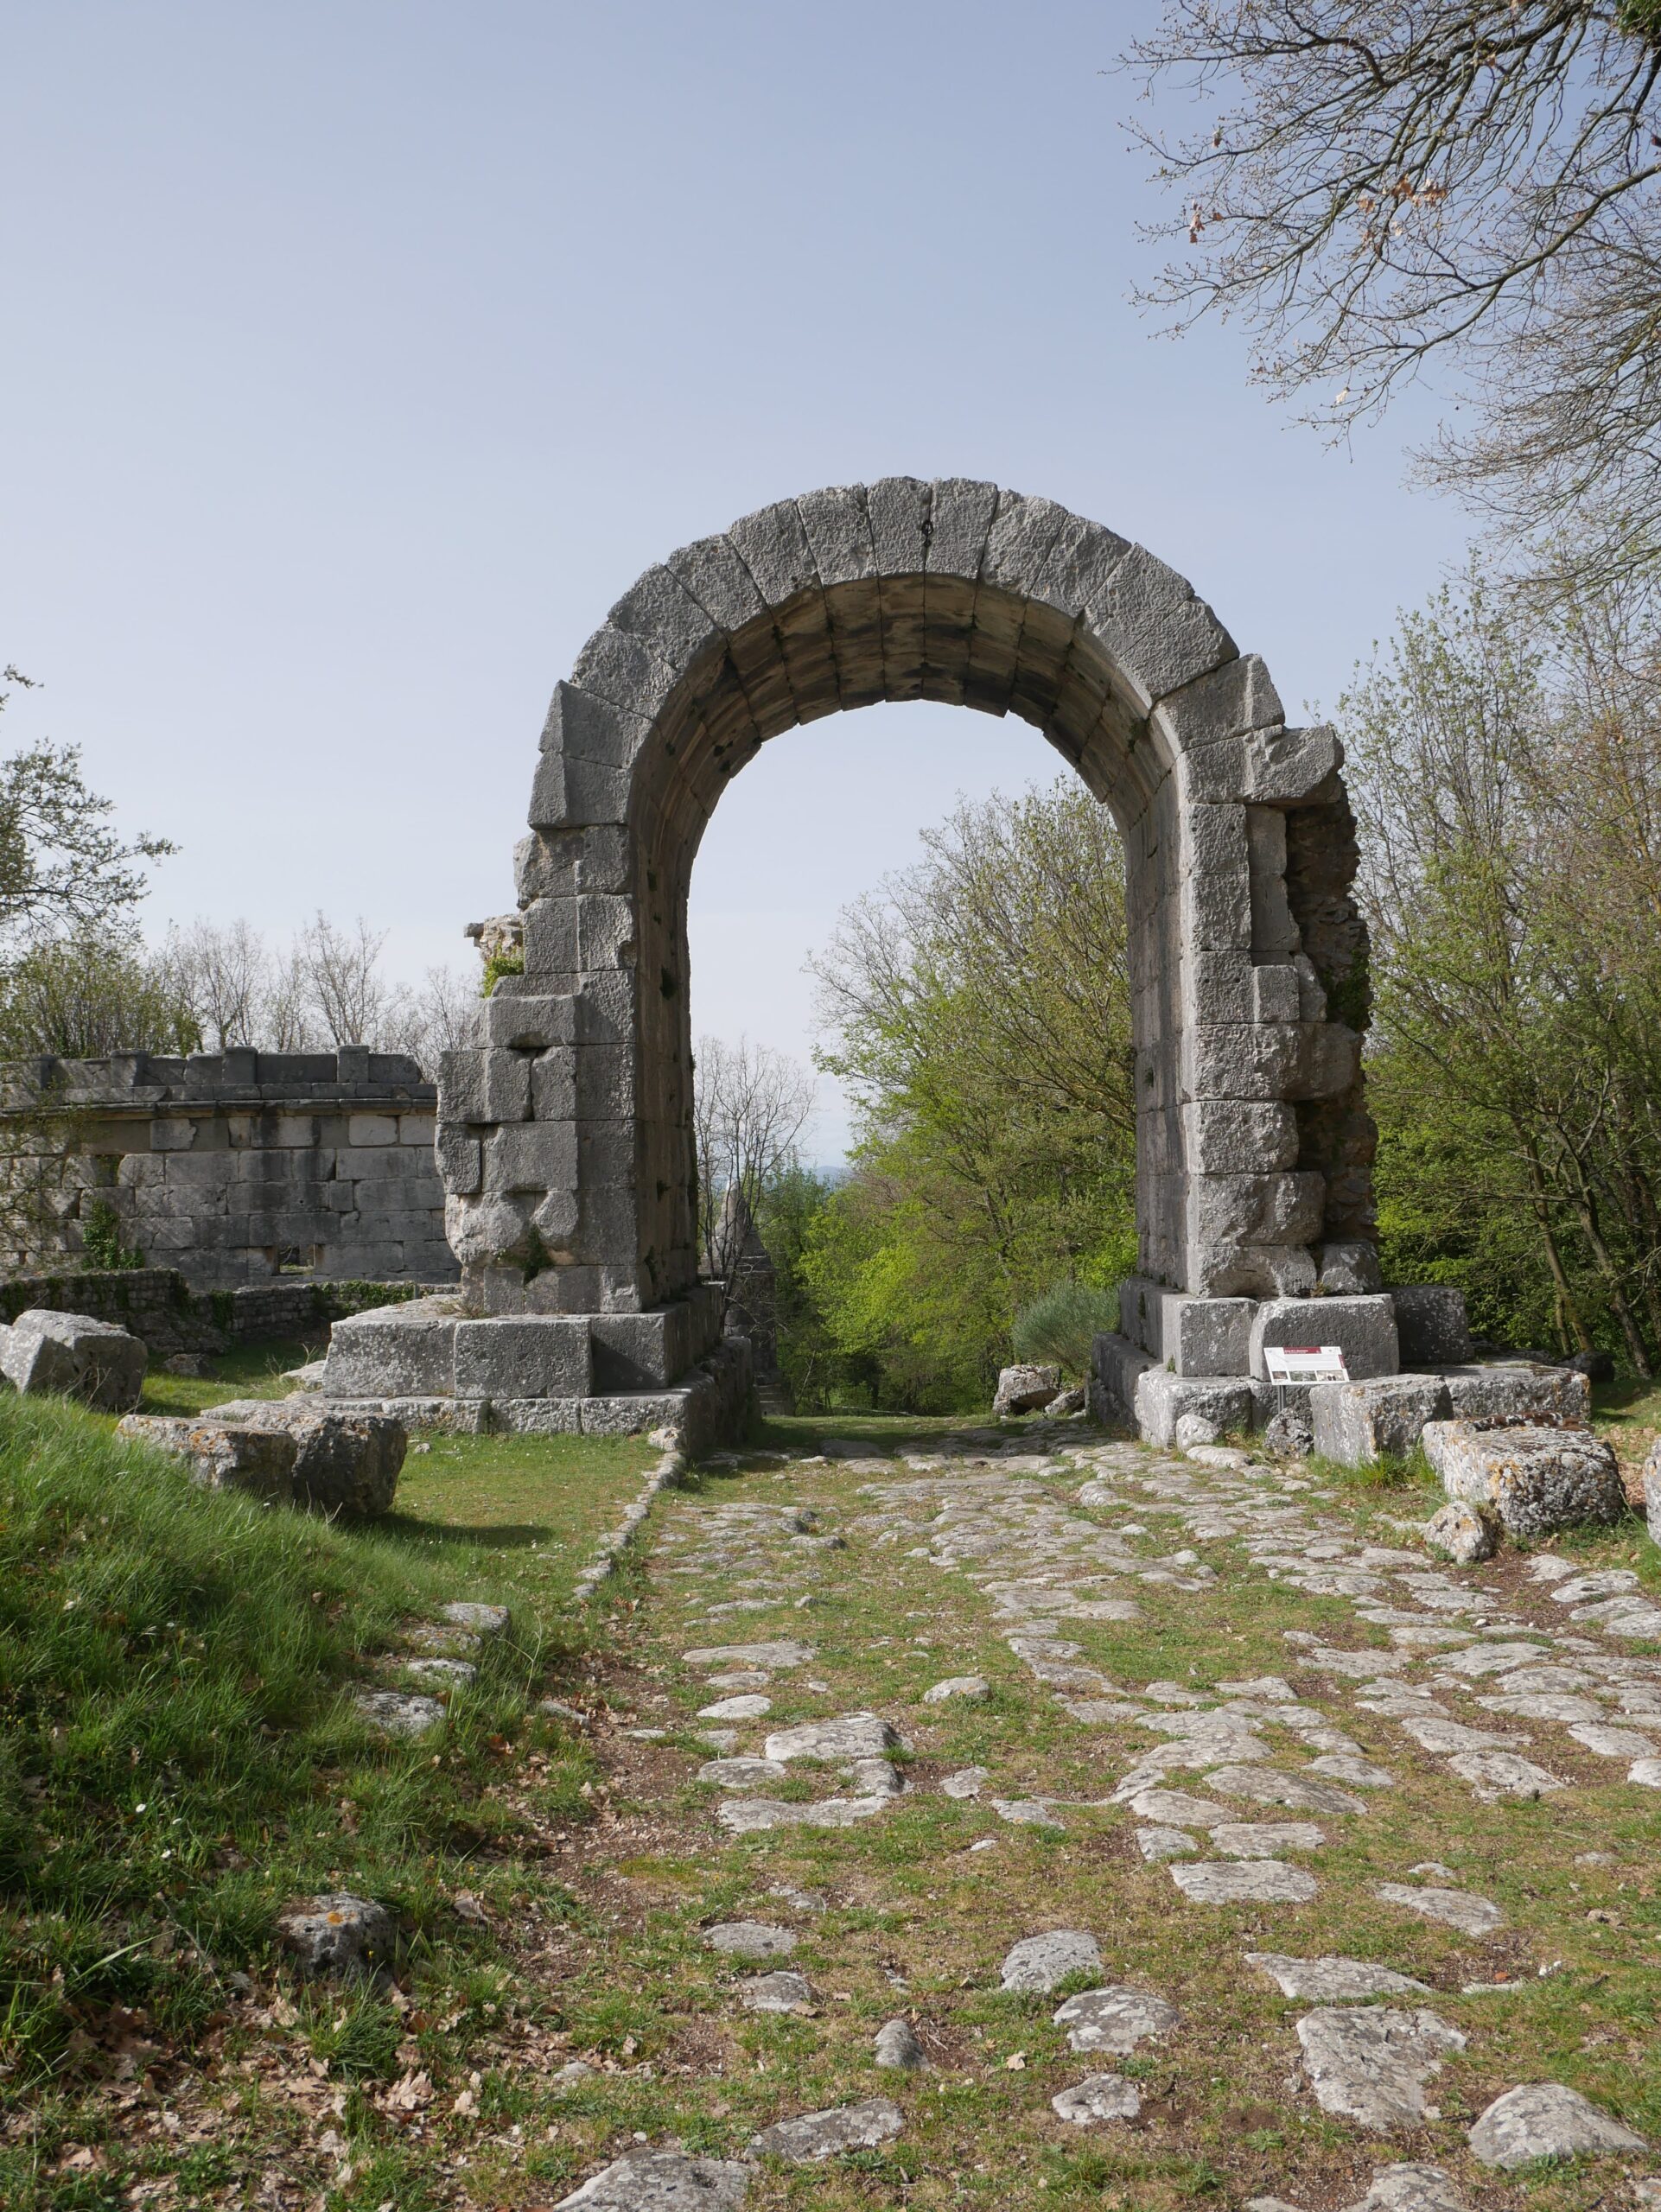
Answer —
1315 1891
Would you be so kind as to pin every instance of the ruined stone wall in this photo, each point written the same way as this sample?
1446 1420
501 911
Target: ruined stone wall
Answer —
235 1168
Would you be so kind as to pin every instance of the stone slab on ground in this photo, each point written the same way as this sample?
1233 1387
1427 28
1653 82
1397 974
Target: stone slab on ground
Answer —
1266 1881
1114 2019
814 2135
749 1939
1472 1916
1099 2097
339 1935
1331 1980
1371 2064
784 1992
1545 2120
854 1736
662 2181
1038 1963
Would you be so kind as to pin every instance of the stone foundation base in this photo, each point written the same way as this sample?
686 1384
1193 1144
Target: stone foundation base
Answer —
436 1366
1150 1381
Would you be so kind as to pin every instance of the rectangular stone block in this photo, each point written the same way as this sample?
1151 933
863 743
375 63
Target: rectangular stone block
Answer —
1162 1400
1222 987
529 1356
1356 1423
1206 1335
1276 993
528 1024
567 794
1518 1390
553 1084
533 1416
372 1128
635 1416
1252 1062
1217 911
418 1130
551 946
641 1351
393 1351
605 931
295 1132
531 1156
1364 1329
1233 1137
1274 1209
1430 1324
483 1086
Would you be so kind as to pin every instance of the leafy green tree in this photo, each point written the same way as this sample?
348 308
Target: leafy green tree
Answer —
63 866
978 1010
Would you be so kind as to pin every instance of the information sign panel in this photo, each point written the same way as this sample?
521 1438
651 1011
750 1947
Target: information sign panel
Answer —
1305 1363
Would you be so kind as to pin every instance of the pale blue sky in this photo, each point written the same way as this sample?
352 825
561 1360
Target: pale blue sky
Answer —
359 356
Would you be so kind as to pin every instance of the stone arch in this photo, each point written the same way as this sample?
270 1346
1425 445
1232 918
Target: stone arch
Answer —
565 1141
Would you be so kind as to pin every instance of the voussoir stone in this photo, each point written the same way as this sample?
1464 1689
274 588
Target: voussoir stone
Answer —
662 2181
1038 1963
821 2135
1114 2019
1371 2065
1545 2120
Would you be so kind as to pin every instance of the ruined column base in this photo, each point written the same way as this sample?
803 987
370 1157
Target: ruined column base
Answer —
1154 1370
436 1365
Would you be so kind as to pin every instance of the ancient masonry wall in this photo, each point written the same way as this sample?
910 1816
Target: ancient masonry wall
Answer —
238 1167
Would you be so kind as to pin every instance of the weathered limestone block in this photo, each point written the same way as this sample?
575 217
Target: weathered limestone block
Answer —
522 1024
394 1351
1201 1336
348 1936
1276 1208
73 1356
1518 1390
488 1084
532 1356
1364 1329
1225 1137
1349 1270
1025 1389
530 1157
1536 1479
1162 1400
1430 1324
1355 1423
220 1456
343 1464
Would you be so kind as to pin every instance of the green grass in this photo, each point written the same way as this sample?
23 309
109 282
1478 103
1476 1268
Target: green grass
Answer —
179 1754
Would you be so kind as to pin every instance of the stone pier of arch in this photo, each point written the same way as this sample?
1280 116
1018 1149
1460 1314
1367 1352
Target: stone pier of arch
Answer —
565 1139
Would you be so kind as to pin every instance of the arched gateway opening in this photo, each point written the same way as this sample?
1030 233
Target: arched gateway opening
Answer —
565 1141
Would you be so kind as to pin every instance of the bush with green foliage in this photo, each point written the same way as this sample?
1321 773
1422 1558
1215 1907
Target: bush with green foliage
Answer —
1061 1327
102 1246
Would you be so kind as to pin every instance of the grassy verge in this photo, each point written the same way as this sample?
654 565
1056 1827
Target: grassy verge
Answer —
181 1754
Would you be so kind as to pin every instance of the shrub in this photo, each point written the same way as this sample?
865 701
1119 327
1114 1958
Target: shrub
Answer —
101 1244
1060 1326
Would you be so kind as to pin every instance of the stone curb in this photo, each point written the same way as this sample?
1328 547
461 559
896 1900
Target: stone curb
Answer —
669 1473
